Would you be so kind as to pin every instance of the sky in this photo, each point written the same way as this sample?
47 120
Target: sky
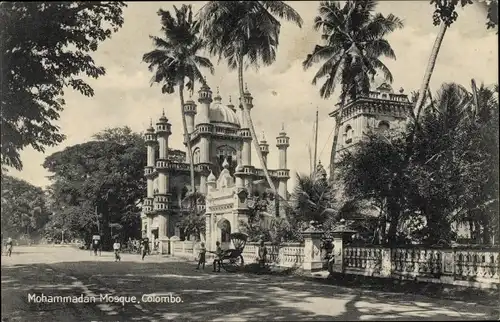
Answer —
282 92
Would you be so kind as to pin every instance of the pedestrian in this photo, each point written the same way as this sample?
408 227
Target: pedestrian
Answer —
10 244
218 256
201 259
145 247
116 248
262 254
95 246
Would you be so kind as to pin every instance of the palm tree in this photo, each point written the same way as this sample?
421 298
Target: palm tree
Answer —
313 198
246 33
176 59
444 15
456 147
354 42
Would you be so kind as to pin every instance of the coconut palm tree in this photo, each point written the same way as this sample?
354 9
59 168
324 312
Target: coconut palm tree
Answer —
354 39
246 33
176 59
313 198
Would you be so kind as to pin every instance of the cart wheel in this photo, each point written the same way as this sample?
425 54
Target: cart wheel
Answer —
232 265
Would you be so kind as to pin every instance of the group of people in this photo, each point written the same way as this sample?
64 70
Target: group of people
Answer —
220 253
144 243
145 250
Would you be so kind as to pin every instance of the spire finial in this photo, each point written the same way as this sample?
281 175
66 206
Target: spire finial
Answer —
151 122
225 164
163 112
263 136
246 87
283 126
217 90
229 99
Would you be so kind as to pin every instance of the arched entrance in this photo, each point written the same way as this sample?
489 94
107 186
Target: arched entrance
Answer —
225 233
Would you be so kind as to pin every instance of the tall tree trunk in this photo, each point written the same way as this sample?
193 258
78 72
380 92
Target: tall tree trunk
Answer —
248 117
430 68
333 154
424 87
186 137
474 96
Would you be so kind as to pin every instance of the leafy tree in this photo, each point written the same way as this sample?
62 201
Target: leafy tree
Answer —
193 211
46 49
375 171
492 14
354 38
176 58
99 183
24 210
450 177
246 33
121 135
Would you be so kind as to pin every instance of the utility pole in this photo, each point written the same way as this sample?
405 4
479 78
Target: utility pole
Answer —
97 221
315 140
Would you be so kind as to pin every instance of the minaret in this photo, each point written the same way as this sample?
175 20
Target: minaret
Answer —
283 142
264 148
151 143
163 130
190 112
205 130
230 105
246 151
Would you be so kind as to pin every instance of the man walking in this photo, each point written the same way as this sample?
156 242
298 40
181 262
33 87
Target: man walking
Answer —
145 247
116 248
9 246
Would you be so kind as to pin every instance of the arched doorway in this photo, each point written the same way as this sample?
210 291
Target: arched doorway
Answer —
225 233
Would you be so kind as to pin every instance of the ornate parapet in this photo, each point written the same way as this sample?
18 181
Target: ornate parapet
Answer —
147 206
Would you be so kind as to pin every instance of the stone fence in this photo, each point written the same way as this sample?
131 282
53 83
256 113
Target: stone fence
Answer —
458 266
472 267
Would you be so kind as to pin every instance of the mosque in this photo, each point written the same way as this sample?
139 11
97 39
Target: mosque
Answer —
220 138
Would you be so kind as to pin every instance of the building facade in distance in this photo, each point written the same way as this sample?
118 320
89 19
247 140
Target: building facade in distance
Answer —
220 139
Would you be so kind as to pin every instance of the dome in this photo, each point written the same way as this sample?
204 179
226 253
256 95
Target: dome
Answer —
211 177
219 113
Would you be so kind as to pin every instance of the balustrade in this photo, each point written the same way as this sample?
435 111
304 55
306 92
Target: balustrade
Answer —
476 265
363 258
452 266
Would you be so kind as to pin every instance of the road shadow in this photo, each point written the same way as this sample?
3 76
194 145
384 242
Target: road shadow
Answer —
221 296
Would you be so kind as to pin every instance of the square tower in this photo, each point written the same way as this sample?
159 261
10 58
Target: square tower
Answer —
378 110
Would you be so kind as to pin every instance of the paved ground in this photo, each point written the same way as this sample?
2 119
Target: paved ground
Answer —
205 296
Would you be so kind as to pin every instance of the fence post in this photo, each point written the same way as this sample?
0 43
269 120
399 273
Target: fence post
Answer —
164 246
312 249
173 241
447 266
341 235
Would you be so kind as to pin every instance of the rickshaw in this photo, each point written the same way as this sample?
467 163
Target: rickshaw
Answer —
232 259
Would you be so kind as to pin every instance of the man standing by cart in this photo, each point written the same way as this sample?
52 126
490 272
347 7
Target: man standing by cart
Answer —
96 243
145 247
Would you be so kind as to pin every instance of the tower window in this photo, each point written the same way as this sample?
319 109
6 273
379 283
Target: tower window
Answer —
348 134
196 156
